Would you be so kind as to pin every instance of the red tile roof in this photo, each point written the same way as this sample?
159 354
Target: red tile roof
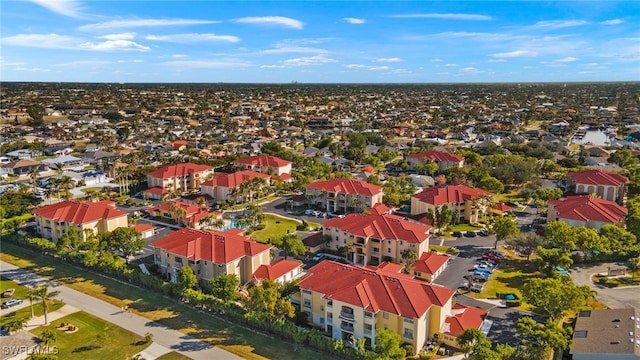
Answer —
77 212
374 291
235 179
346 186
156 190
597 177
449 194
219 247
169 171
193 213
464 317
380 208
313 240
430 263
586 207
383 227
263 160
21 163
276 270
503 207
141 227
436 156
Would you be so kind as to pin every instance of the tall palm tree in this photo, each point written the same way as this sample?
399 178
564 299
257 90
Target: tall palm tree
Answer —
32 295
46 338
46 297
34 172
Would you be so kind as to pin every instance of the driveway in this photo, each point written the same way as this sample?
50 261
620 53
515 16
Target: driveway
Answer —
279 207
615 298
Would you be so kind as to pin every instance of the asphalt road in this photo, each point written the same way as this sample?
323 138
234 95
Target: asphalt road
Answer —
615 298
163 336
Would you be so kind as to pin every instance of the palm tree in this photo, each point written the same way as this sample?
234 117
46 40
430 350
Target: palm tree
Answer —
45 296
16 325
46 338
634 266
32 295
34 172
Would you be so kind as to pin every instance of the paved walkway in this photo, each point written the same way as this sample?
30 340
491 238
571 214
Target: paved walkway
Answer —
164 339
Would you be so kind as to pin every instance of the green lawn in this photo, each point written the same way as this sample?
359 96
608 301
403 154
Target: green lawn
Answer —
21 291
230 337
117 343
25 313
463 227
173 356
444 249
275 227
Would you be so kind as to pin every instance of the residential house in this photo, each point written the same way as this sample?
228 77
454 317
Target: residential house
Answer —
22 167
314 242
373 239
586 210
281 271
66 161
183 177
226 186
469 203
462 318
606 334
269 165
609 186
210 254
444 160
52 221
342 195
190 215
146 230
353 302
23 154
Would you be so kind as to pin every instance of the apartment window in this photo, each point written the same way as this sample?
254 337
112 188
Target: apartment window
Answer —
368 314
401 242
344 241
368 329
321 320
408 334
307 302
389 251
408 321
178 260
305 291
385 315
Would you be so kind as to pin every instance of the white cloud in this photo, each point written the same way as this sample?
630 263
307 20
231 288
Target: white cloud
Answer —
515 54
355 66
367 67
558 24
70 8
122 36
46 41
179 56
82 63
393 59
470 70
308 61
497 60
35 69
450 65
193 38
116 24
200 64
378 68
294 49
354 21
474 17
436 60
272 20
612 22
114 45
272 66
567 59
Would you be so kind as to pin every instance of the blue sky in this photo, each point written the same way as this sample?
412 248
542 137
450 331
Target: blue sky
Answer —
319 41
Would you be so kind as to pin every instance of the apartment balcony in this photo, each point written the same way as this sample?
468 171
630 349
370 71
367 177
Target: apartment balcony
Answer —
347 314
346 327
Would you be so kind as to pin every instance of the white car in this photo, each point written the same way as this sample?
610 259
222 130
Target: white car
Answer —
9 303
309 212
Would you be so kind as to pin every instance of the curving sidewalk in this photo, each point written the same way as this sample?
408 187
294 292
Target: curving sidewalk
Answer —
164 338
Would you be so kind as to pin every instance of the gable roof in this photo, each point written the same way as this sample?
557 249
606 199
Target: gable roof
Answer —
430 263
597 177
607 331
234 179
170 171
276 270
263 160
77 212
346 186
436 156
219 247
374 291
449 194
383 227
586 208
21 163
463 317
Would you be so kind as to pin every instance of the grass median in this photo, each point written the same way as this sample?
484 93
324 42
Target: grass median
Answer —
230 337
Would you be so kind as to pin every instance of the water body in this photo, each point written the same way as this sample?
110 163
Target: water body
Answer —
593 137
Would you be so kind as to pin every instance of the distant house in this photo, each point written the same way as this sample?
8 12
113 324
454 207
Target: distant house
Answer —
343 195
607 185
53 221
586 210
606 334
468 202
22 167
146 230
429 266
462 318
66 161
314 242
224 186
444 160
23 154
210 254
270 165
180 177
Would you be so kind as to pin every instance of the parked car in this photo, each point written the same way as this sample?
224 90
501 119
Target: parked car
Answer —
319 257
8 293
457 234
470 234
464 285
477 287
483 232
484 267
9 303
309 212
